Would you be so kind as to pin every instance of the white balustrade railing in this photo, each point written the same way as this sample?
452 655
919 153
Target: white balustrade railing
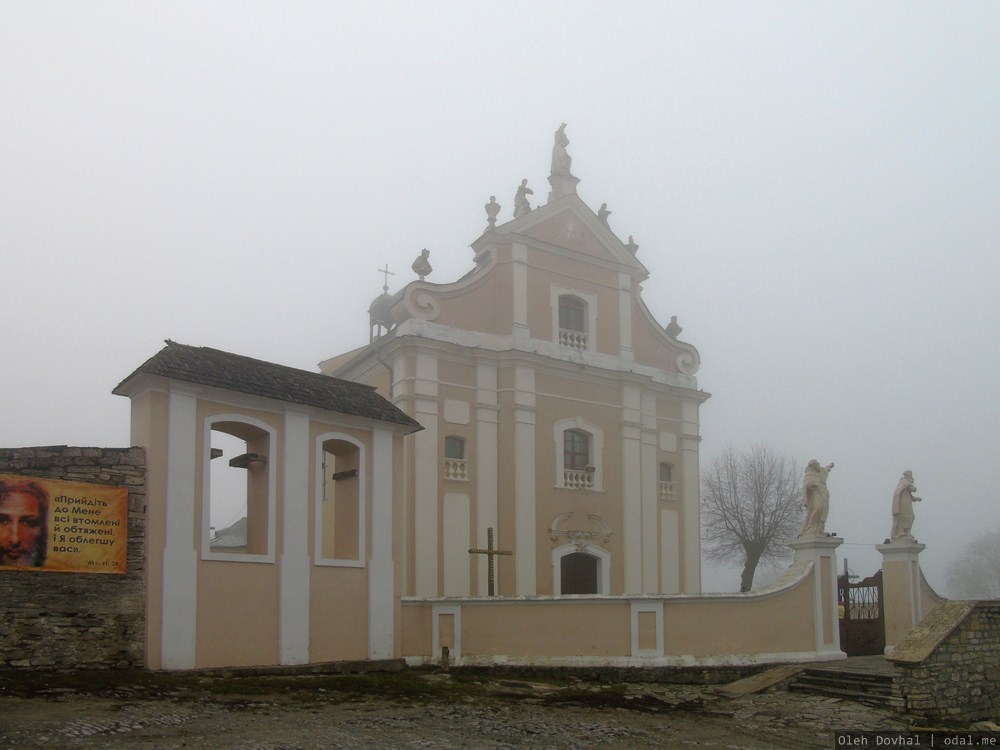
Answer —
666 490
575 339
575 479
456 469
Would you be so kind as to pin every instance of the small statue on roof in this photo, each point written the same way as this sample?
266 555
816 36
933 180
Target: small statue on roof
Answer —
421 266
632 246
603 213
561 178
673 327
492 210
521 205
561 160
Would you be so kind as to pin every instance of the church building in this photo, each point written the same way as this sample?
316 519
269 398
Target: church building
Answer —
556 411
512 454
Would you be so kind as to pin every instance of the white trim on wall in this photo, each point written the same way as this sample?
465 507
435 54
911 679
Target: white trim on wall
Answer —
178 636
381 574
656 608
293 608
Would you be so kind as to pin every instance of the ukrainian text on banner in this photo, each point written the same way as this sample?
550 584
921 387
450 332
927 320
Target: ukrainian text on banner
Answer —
49 524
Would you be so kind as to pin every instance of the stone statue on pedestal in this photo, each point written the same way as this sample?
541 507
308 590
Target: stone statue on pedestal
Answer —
521 205
902 508
817 498
561 178
561 160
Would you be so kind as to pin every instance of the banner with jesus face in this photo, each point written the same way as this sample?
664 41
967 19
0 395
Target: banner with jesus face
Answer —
70 527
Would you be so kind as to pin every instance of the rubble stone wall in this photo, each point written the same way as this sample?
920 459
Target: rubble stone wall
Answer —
950 671
60 620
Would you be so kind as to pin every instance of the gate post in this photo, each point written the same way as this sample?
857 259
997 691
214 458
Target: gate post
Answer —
902 601
821 551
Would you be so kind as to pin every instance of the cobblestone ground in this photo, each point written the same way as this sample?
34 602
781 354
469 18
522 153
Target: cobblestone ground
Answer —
420 712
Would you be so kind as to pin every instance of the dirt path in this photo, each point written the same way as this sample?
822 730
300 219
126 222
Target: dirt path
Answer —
414 711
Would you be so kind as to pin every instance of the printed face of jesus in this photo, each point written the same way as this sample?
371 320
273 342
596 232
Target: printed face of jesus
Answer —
21 525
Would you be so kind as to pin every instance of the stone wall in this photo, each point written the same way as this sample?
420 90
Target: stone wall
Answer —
57 620
950 664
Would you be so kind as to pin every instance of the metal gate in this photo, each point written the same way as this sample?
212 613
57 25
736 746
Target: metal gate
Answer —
862 621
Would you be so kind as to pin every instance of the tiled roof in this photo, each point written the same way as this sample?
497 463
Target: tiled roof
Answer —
234 372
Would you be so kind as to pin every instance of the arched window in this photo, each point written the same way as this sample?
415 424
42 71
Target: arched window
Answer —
340 507
238 498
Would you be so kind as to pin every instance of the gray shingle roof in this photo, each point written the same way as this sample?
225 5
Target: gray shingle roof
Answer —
234 372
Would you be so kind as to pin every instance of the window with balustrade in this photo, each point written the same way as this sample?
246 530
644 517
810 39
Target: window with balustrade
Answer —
666 487
456 466
574 318
572 321
579 445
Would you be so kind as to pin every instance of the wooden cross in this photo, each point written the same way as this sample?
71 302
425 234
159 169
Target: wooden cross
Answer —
490 553
388 273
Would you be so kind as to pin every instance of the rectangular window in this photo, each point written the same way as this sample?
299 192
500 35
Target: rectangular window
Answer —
576 450
666 481
456 467
572 314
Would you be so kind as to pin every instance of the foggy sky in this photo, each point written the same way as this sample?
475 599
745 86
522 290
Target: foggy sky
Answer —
814 188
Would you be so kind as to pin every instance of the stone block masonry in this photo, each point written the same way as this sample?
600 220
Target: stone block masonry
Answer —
56 620
950 663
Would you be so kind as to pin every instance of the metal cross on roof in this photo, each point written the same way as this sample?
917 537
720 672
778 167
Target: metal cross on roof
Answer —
490 553
388 273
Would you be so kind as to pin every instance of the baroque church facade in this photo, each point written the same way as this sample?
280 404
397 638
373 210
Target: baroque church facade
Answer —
556 411
512 454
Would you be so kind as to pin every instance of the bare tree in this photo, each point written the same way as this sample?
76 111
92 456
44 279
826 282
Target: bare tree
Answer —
975 573
751 508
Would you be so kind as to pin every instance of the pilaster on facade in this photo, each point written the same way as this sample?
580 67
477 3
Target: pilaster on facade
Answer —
648 469
632 488
381 568
180 560
425 476
400 385
691 498
524 481
487 467
295 568
519 272
625 351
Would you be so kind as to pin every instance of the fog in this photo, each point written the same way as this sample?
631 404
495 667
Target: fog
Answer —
814 188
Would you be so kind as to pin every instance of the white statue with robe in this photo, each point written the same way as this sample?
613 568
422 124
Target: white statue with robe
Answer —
817 498
902 508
